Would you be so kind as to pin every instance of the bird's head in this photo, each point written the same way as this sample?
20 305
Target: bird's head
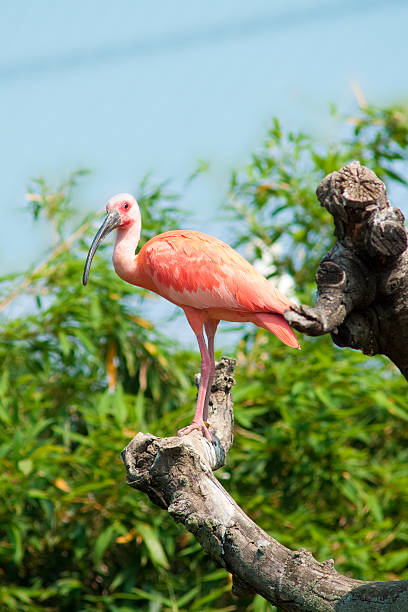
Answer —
123 208
122 211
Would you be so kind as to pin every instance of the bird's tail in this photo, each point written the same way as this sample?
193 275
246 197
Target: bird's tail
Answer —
277 324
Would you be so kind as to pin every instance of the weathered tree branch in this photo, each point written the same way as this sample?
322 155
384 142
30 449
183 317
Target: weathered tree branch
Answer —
176 473
363 281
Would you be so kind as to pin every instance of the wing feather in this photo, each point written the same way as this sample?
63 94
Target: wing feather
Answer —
193 269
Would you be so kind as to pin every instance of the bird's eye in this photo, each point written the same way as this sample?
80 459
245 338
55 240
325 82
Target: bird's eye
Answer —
126 206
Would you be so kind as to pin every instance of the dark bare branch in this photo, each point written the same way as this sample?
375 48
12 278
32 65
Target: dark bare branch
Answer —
177 474
363 281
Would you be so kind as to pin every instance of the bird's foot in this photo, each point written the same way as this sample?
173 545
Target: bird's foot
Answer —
196 426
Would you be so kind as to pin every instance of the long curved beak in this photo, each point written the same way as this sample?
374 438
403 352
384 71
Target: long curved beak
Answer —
111 222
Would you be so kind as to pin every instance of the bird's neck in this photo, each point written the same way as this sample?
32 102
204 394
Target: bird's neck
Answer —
124 259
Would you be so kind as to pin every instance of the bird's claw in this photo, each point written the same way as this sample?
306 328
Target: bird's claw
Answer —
196 426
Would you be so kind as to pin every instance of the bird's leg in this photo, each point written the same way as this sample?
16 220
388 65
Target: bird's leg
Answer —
210 328
198 421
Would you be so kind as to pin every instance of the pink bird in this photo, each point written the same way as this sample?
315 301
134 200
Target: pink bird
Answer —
208 279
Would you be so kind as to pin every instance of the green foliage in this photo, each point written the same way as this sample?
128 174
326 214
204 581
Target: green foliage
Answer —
82 372
320 452
319 459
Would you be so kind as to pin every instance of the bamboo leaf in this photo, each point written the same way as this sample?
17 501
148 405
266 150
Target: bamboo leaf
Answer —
153 544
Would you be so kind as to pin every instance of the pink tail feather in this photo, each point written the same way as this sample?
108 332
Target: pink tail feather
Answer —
278 325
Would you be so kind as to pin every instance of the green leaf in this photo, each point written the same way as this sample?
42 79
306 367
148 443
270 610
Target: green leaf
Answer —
153 544
91 487
120 406
396 560
64 343
140 411
191 594
17 542
38 494
25 466
399 412
102 542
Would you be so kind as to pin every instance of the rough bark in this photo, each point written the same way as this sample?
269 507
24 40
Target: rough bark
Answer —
177 475
363 281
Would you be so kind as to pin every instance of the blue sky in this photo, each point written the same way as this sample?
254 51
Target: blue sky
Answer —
127 87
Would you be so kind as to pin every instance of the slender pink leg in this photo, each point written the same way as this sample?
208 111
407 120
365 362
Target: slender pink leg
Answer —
196 321
210 328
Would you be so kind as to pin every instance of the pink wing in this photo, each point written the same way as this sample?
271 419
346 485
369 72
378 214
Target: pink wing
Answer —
193 269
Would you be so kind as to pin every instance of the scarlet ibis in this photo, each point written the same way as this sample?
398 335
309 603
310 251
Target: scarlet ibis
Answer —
208 279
